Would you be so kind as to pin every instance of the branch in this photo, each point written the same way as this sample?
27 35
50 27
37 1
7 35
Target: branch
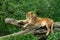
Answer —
14 22
18 33
30 29
57 25
11 21
36 32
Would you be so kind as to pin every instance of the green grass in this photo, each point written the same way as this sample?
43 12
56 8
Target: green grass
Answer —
21 37
55 35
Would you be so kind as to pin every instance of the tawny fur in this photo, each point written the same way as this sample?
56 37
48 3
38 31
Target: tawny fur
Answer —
40 22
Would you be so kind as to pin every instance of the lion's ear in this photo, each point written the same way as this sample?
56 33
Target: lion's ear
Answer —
31 12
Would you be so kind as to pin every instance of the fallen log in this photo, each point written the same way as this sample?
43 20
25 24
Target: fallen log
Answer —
38 32
20 32
23 32
14 22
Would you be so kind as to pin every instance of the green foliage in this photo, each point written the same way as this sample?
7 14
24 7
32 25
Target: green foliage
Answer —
17 9
55 35
21 37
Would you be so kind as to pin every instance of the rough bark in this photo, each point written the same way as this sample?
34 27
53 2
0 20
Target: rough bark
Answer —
14 22
31 30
